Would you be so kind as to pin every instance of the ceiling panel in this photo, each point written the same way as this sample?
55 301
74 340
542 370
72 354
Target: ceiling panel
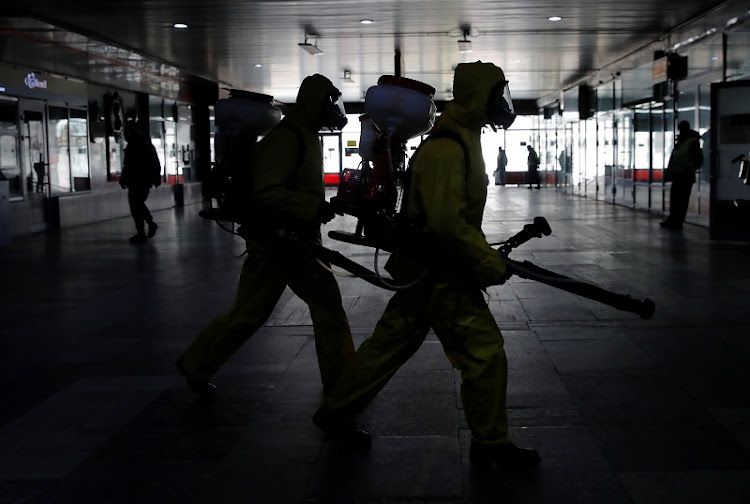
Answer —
226 39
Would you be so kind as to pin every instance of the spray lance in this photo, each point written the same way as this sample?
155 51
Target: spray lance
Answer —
530 271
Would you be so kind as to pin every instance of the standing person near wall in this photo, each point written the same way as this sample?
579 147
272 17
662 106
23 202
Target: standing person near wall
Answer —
533 167
141 170
686 159
502 162
446 193
288 199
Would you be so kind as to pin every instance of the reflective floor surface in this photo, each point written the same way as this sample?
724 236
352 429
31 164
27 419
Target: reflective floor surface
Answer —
622 410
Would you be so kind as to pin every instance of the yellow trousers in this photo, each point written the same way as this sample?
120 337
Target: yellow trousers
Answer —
470 337
268 269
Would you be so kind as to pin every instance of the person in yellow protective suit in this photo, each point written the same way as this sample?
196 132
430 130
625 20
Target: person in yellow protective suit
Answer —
288 195
447 194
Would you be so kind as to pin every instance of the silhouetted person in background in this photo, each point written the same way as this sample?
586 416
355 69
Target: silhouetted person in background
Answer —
533 164
40 168
141 170
686 159
502 162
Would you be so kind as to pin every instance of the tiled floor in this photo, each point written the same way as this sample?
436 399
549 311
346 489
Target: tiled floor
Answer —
622 410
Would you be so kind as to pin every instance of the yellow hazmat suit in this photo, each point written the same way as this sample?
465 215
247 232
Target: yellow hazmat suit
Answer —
448 196
287 193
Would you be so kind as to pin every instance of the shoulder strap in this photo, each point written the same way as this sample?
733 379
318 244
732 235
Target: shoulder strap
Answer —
300 140
450 135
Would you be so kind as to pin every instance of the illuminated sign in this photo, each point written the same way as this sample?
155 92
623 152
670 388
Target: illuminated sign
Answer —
33 83
659 69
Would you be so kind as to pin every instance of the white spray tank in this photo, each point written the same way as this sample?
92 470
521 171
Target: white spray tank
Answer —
401 107
240 119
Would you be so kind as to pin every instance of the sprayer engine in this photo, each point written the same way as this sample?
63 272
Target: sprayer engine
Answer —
398 109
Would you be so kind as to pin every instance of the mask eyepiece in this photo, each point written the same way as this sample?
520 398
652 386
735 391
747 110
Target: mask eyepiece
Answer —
500 107
333 115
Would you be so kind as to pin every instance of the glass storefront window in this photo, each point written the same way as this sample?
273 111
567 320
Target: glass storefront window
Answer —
79 154
10 168
212 134
170 144
156 127
588 163
116 155
184 151
687 105
642 155
704 128
738 64
59 157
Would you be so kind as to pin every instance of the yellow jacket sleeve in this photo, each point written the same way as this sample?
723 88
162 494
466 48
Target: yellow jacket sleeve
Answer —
451 200
286 182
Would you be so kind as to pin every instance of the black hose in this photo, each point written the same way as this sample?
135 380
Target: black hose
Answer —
357 269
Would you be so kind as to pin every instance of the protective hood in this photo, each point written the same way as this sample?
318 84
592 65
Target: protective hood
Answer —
313 92
472 85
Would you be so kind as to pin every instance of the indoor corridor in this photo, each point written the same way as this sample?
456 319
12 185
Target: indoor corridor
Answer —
621 410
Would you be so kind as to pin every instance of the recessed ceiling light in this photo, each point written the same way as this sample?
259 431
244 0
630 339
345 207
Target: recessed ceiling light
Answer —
518 61
555 18
366 21
180 25
258 65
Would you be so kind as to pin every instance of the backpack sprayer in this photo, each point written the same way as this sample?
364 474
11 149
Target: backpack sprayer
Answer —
240 120
397 110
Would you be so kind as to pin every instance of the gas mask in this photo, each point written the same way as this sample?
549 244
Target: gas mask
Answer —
333 115
500 107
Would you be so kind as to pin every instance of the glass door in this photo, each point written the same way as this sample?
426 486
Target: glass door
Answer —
730 183
10 167
623 168
332 157
34 161
659 141
586 164
171 165
566 154
642 176
605 166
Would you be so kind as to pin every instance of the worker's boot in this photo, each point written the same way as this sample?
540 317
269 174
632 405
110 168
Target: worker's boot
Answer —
340 427
204 390
506 455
